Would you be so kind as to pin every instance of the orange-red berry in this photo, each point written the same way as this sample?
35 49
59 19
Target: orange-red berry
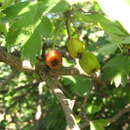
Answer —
53 59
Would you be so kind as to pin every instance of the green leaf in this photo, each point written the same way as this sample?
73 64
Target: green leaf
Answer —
79 84
108 49
14 11
12 35
117 79
3 27
117 70
46 27
7 3
93 108
67 63
113 28
126 40
62 6
43 7
128 96
35 40
99 124
68 80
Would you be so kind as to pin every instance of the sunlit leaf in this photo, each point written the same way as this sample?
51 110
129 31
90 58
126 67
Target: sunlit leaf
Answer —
113 28
62 6
126 40
117 69
117 79
93 108
7 3
99 124
79 85
107 49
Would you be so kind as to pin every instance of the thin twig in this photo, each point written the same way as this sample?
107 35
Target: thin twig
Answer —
119 114
112 119
67 23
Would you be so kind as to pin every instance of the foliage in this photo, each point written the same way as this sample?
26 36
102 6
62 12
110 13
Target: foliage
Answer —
28 26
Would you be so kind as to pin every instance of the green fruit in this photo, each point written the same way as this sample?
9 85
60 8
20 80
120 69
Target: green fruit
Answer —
89 62
75 47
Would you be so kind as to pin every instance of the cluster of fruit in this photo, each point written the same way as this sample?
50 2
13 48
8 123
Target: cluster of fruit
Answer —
87 60
76 48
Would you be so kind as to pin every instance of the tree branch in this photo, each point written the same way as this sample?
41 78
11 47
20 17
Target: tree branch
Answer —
17 64
62 71
14 61
65 103
119 114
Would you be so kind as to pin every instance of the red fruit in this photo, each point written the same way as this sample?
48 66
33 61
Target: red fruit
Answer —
53 59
